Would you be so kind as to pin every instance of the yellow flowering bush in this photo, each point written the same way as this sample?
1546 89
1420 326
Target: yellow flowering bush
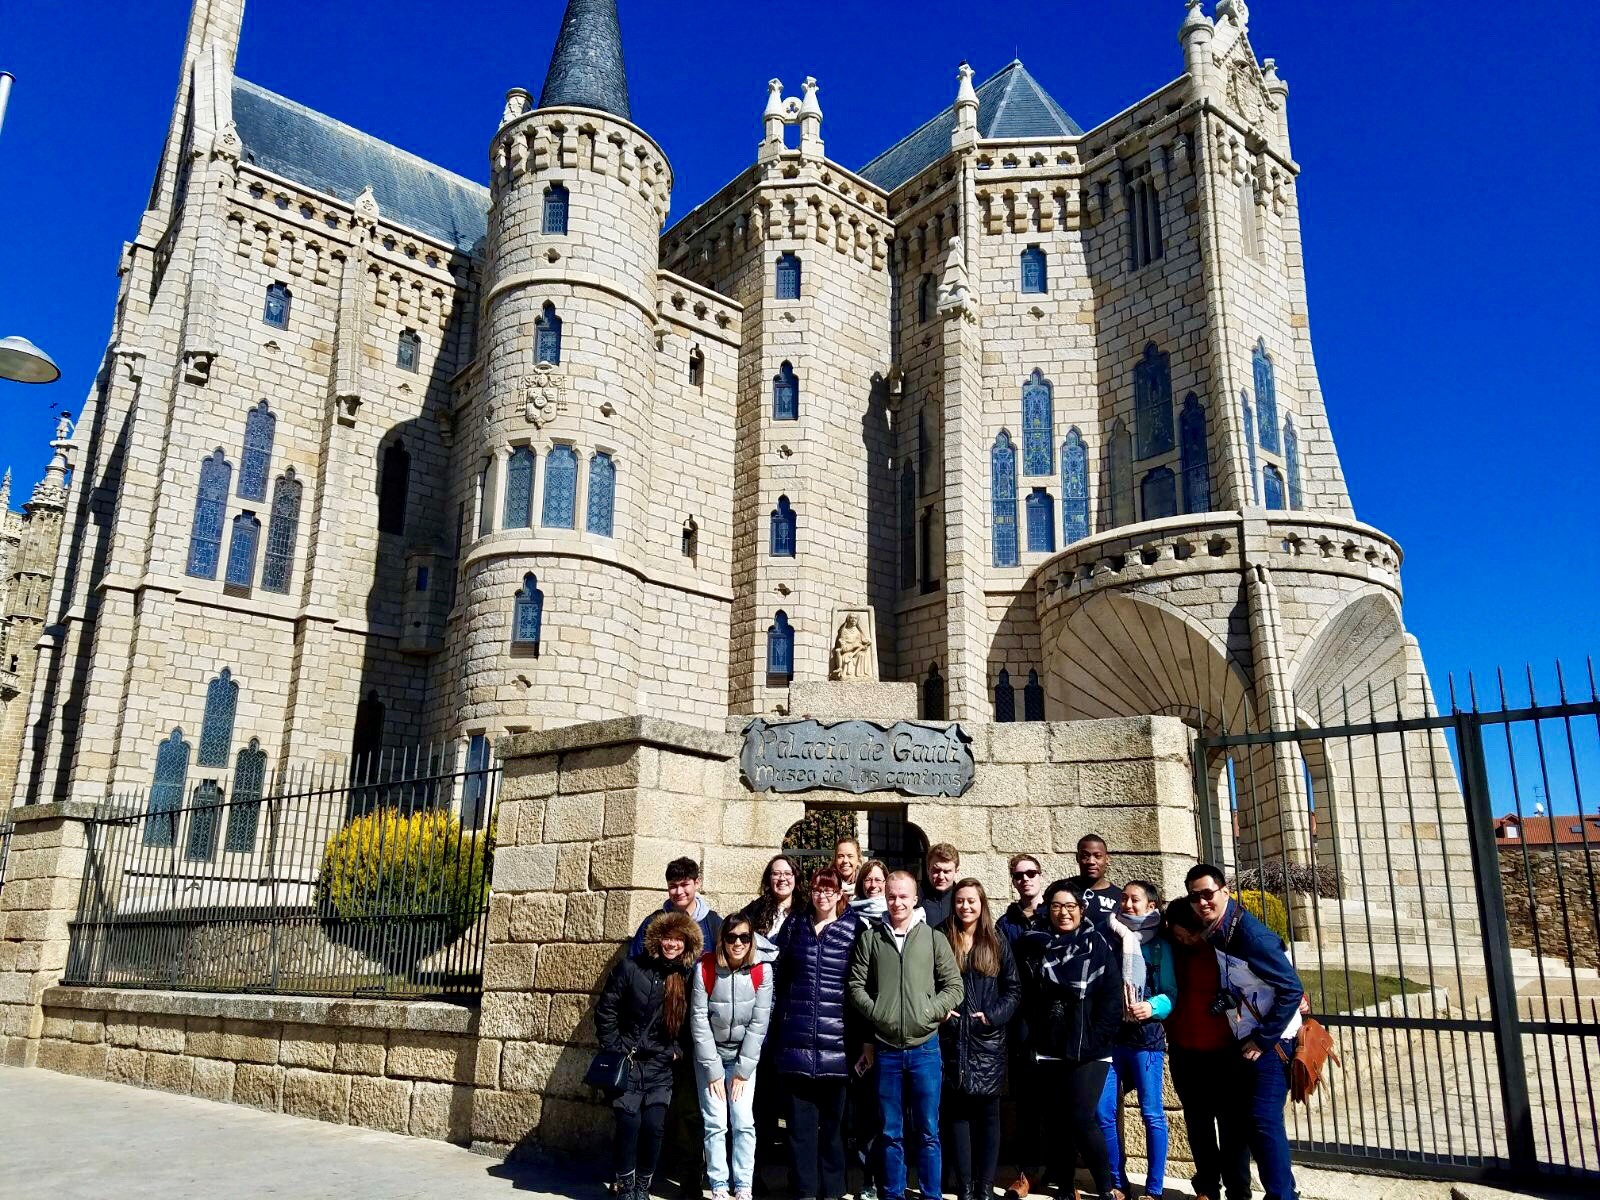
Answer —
1267 909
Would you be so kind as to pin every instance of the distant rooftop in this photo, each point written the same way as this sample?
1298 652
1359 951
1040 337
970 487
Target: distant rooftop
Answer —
1011 104
291 140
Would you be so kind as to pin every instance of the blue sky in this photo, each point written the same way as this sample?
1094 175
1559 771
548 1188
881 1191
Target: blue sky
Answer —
1448 194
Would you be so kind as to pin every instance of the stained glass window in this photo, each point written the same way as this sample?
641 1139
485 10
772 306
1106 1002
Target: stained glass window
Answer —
408 350
1195 456
1291 461
602 494
908 526
205 817
1152 404
780 647
527 621
282 530
249 781
788 277
242 545
1033 699
1250 443
1041 522
547 343
1038 426
256 461
475 786
785 395
1266 398
555 209
422 579
1005 698
1074 487
216 731
1119 469
561 488
276 310
783 529
1035 271
210 506
1272 484
1003 501
519 489
933 695
166 792
394 486
1158 494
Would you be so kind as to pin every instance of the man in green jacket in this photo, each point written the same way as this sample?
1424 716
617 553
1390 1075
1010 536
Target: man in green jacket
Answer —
903 983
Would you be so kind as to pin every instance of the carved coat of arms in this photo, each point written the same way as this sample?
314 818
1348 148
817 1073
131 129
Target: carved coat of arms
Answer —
544 396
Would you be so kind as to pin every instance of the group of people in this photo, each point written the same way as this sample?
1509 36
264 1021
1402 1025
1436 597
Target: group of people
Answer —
894 1017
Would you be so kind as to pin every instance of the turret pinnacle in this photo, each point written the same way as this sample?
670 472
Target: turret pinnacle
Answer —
586 69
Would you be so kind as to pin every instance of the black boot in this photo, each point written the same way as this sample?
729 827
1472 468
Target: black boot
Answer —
622 1188
641 1187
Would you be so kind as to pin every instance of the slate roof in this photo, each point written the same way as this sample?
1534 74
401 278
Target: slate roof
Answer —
291 140
586 68
1011 104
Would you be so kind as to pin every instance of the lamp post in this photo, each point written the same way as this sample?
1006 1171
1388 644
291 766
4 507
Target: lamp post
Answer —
20 359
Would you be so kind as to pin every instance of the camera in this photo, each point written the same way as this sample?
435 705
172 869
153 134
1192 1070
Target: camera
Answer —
1223 1003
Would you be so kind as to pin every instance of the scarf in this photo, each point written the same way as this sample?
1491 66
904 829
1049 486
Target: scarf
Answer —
1073 960
1136 933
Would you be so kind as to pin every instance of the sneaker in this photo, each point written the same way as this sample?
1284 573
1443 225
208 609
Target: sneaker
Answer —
743 1193
721 1193
867 1193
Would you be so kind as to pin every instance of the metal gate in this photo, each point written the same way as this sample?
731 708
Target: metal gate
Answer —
1435 877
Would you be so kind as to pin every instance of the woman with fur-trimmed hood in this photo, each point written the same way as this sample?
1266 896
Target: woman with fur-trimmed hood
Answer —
643 1012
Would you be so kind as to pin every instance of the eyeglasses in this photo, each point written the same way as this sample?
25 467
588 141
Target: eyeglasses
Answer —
1019 876
1067 907
824 891
1205 895
738 939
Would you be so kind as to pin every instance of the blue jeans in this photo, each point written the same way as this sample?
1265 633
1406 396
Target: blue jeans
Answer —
1263 1086
908 1086
718 1116
1133 1068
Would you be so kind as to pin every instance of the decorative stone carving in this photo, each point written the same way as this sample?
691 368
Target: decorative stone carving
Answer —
954 293
226 144
544 396
517 101
854 656
366 206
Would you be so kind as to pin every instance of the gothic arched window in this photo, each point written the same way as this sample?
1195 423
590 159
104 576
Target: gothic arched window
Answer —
1003 501
242 545
924 298
365 746
1041 522
394 487
1194 455
275 311
1158 494
518 511
527 619
205 816
788 277
908 526
1152 404
256 461
784 525
1272 484
408 350
249 782
166 790
1033 698
555 208
1119 472
601 513
547 340
1250 443
933 695
785 394
780 647
1074 488
282 529
1005 698
216 730
1035 272
211 503
561 489
1038 426
1266 397
1291 461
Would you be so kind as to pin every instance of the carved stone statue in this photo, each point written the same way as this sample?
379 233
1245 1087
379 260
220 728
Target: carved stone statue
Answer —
853 656
64 428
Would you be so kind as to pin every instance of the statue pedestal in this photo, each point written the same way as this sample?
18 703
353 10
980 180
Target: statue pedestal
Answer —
866 699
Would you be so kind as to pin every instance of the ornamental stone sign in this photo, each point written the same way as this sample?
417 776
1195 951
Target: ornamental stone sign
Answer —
857 756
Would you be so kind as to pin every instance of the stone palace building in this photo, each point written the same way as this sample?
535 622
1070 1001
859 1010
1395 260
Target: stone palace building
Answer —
380 456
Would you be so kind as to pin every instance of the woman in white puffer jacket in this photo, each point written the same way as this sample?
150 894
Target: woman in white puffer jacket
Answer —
730 1007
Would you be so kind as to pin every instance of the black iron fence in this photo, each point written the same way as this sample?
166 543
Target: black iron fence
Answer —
1435 876
6 829
325 880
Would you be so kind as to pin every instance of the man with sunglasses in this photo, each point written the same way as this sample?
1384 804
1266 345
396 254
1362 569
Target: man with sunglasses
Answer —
1026 912
1027 880
1260 995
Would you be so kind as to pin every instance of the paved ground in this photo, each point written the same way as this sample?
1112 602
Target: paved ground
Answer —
66 1138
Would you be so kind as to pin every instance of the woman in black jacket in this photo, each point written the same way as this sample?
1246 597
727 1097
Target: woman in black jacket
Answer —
642 1013
973 1040
1075 1014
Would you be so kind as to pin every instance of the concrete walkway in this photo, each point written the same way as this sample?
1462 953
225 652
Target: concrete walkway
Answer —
65 1138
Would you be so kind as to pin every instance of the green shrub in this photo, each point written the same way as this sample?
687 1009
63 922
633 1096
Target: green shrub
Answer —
402 886
1267 909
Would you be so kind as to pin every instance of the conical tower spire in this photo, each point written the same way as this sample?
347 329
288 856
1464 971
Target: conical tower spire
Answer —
586 69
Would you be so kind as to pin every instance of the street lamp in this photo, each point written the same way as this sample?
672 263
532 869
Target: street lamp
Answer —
22 361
